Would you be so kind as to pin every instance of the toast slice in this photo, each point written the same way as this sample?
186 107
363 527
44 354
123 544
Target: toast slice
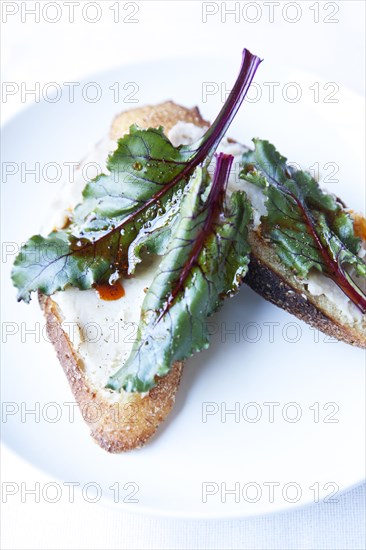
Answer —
273 281
130 420
121 422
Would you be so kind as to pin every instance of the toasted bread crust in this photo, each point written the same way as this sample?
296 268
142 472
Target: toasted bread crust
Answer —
277 285
152 116
115 425
275 289
130 421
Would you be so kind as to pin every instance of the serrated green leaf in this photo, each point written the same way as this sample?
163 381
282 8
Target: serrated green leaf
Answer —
129 209
207 259
309 227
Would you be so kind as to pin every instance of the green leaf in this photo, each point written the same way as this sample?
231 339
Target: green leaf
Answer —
309 227
119 212
143 165
207 259
130 209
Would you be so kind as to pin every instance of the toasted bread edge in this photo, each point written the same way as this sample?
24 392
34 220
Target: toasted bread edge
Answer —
115 425
275 283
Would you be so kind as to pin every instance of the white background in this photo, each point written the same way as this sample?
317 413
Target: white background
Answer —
63 52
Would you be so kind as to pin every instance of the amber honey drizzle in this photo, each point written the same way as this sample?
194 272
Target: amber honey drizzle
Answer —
109 292
359 225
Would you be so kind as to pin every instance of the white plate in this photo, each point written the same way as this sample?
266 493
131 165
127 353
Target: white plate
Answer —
320 454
